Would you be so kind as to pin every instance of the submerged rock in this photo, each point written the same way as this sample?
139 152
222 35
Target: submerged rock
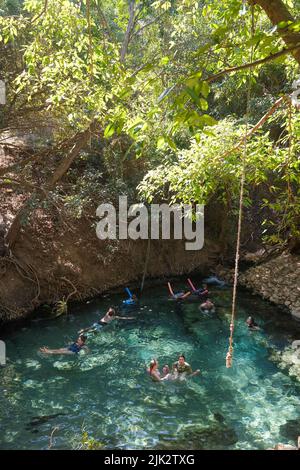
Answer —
291 429
288 359
200 437
219 417
38 420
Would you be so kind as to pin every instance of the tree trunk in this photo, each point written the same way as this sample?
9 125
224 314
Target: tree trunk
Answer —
277 12
81 142
130 27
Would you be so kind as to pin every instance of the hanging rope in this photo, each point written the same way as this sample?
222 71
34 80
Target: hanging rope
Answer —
91 65
289 157
146 264
229 355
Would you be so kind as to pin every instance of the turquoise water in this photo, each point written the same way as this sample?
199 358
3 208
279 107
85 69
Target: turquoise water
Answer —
108 393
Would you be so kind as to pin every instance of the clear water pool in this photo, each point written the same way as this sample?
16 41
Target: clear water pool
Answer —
108 393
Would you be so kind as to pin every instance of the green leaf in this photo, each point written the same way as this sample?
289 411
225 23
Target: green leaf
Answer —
164 60
109 130
194 96
283 24
160 142
204 89
203 104
171 143
135 123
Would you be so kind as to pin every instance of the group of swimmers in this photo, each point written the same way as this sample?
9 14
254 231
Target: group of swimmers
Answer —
202 294
180 370
79 344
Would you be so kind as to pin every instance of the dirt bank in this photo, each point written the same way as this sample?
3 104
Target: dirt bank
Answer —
51 262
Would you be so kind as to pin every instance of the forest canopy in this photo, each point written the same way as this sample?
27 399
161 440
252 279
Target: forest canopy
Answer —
163 94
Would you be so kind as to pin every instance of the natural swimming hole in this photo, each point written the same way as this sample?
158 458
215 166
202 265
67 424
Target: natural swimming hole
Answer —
109 394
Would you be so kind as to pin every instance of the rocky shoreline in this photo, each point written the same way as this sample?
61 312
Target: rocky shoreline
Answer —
276 280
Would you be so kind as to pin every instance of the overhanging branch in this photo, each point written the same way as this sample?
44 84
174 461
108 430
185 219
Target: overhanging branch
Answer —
249 65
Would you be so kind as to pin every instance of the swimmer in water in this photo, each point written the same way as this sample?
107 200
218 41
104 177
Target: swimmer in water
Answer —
183 369
108 318
251 324
168 375
153 371
74 348
179 295
132 299
207 306
155 374
203 292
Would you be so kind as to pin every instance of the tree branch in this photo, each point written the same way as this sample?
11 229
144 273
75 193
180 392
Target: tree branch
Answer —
128 32
148 24
81 140
259 124
270 57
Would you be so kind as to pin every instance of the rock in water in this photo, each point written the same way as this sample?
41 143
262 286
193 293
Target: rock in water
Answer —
291 429
199 437
37 420
218 417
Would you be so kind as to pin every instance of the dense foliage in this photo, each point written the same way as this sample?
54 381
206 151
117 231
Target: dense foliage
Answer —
150 80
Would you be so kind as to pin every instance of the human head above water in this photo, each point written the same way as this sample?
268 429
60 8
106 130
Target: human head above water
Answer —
153 365
181 359
166 369
81 339
250 321
111 312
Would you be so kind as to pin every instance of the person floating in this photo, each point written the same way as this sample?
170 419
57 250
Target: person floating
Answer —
213 280
153 371
201 292
168 375
183 369
178 295
74 348
156 376
251 324
207 306
132 298
108 318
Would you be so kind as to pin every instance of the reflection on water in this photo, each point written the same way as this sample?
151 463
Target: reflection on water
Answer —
108 392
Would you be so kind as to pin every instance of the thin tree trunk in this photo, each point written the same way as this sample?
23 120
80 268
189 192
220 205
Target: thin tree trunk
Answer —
128 33
82 139
81 142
